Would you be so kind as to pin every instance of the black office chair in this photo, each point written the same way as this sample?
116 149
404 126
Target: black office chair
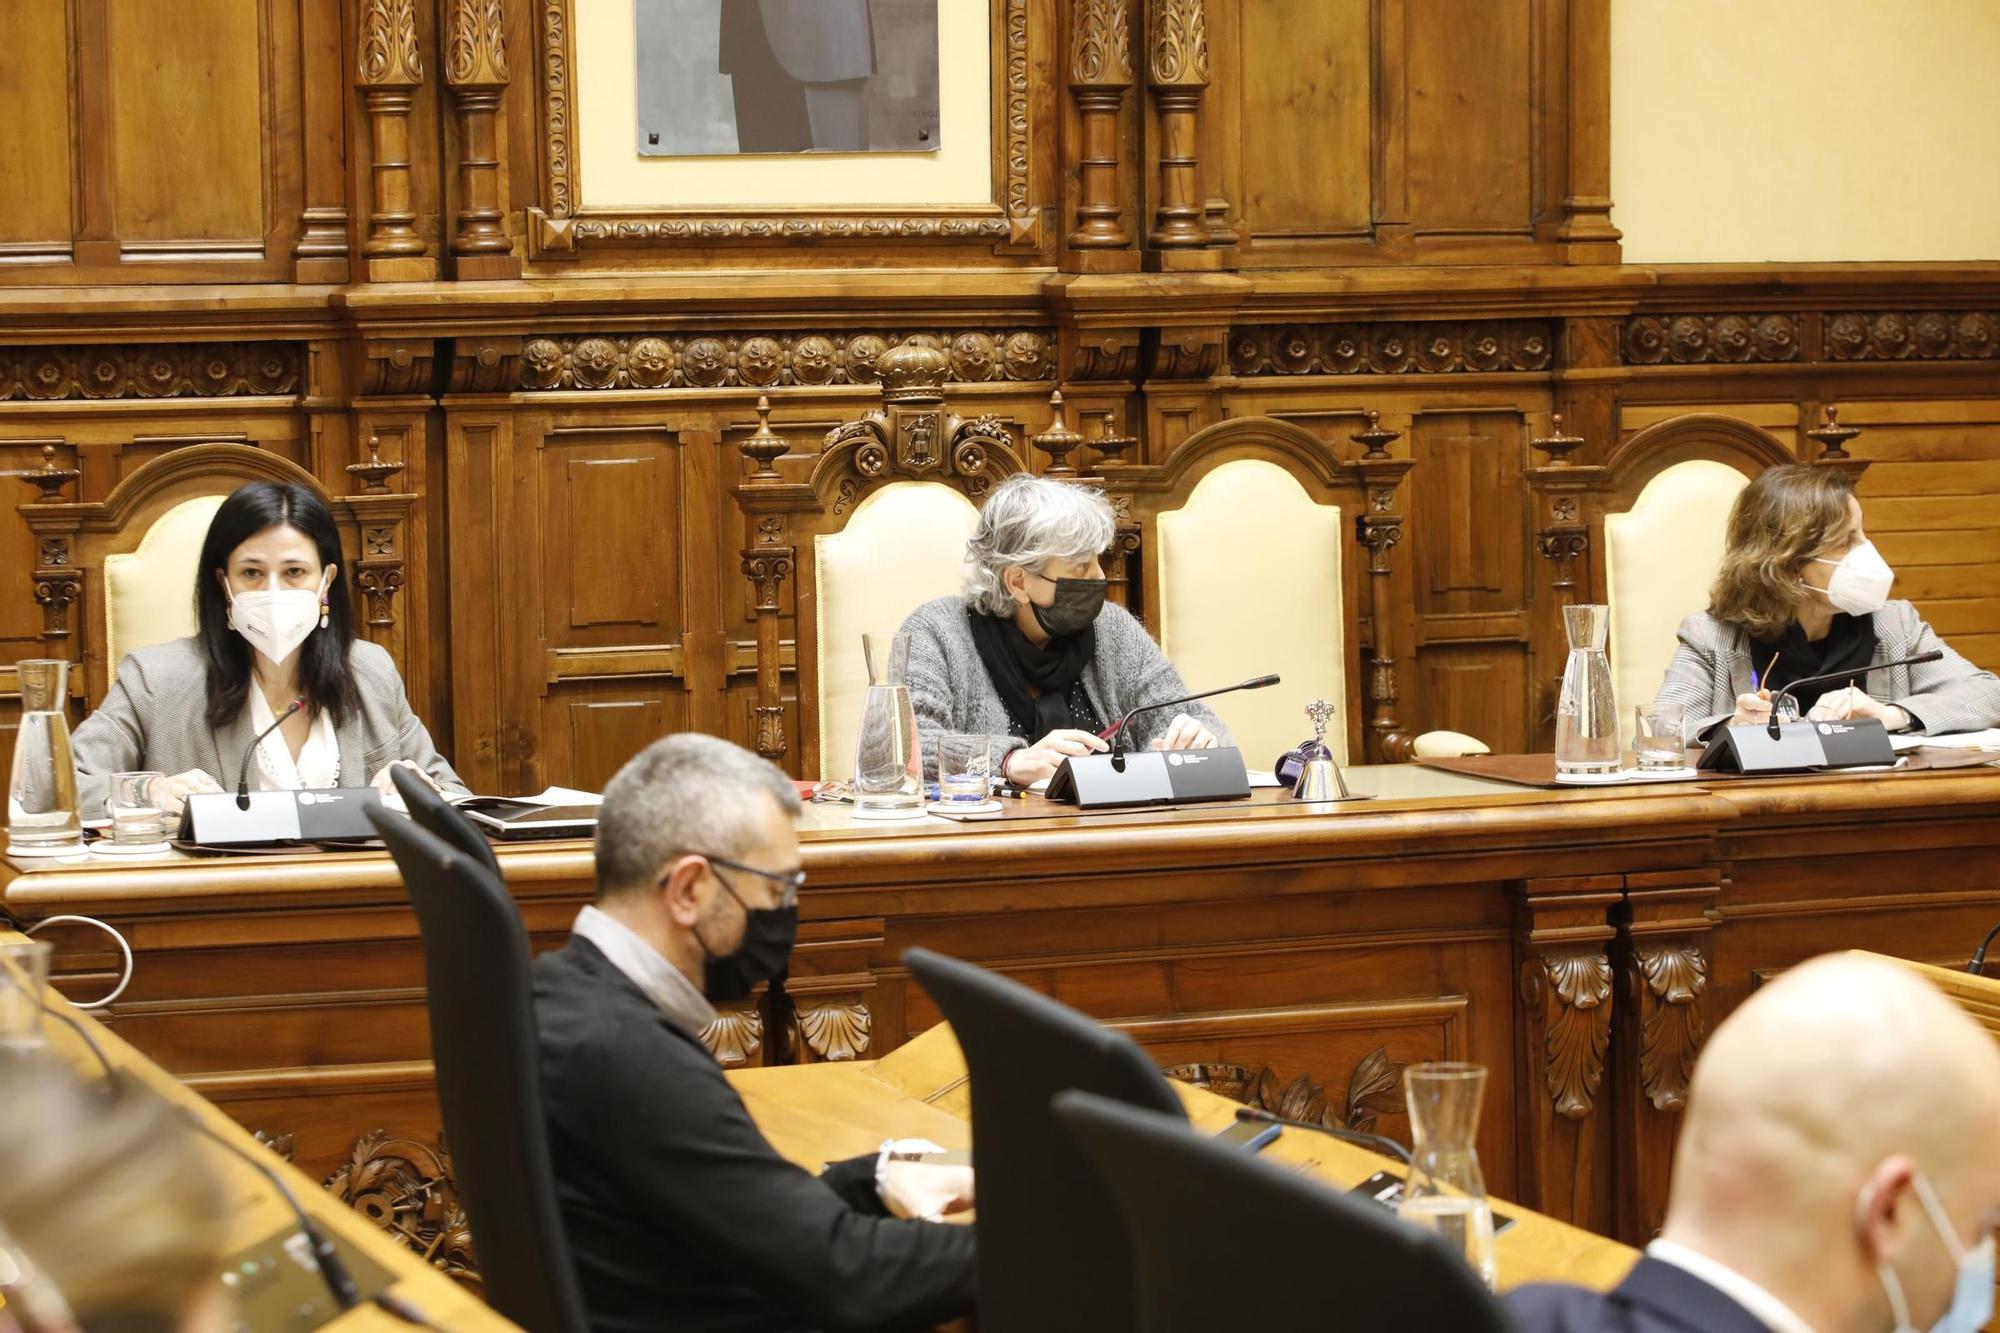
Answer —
1221 1239
489 1076
1052 1249
440 817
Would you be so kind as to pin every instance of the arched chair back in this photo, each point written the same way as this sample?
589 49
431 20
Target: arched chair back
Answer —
1052 1250
1223 1239
903 546
488 1059
149 591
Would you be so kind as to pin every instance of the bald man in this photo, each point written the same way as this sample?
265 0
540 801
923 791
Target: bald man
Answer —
1838 1172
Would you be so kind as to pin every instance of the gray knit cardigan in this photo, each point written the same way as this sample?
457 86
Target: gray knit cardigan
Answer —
951 692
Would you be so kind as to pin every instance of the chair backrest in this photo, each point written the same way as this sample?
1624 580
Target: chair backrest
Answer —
489 1076
1221 1239
441 819
149 591
1052 1250
903 546
1660 556
1249 583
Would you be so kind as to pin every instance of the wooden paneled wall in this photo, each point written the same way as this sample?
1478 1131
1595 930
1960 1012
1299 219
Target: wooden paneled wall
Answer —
308 225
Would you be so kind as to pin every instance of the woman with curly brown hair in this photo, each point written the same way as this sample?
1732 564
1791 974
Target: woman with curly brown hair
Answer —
1801 586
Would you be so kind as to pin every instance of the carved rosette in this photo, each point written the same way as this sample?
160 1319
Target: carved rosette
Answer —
735 1037
149 370
1572 989
407 1189
1670 1020
1374 1089
835 1031
1650 340
1922 335
766 360
1445 347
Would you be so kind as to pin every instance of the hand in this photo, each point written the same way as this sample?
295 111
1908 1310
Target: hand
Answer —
1850 703
383 783
1027 766
170 794
1752 710
1186 734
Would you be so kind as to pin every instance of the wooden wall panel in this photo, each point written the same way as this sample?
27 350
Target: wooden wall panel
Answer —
1470 126
35 163
1306 68
592 728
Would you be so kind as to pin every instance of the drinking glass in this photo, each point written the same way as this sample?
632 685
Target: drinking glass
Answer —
1660 740
136 817
1446 1192
965 768
24 978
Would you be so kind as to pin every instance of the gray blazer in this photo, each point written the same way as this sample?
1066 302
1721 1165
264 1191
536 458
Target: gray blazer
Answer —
950 690
155 718
1712 666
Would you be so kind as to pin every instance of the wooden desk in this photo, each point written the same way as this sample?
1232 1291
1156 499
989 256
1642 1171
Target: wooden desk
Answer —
822 1114
1578 943
257 1212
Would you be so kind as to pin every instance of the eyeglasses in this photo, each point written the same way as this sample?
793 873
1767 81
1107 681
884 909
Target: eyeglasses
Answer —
789 882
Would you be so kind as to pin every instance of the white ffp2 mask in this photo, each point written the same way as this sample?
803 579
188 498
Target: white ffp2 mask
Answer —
275 621
1861 580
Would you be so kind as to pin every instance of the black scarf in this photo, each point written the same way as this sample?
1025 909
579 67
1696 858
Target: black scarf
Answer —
1849 645
1019 668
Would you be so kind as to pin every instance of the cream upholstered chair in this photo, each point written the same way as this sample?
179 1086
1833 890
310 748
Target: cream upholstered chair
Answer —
1660 556
149 591
902 546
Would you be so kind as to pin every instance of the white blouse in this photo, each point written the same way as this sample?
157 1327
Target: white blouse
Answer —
318 764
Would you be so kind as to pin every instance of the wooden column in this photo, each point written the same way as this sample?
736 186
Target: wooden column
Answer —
1586 234
389 70
1100 72
1562 535
320 253
475 68
767 565
58 583
1179 76
1380 529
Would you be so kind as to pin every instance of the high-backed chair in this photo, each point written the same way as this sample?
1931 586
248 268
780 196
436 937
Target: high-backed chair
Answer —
1052 1250
1223 1239
441 819
482 1020
149 590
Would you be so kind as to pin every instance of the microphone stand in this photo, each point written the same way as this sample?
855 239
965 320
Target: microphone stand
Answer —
1118 732
1978 964
1828 676
243 769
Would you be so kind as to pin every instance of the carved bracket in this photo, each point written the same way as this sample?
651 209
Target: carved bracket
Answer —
1571 990
735 1037
407 1189
1671 1022
835 1030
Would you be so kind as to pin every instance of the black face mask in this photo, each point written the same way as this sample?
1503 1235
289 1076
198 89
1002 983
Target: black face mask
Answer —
763 953
1075 608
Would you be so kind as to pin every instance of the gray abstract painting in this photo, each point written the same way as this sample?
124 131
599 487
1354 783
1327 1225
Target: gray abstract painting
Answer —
722 77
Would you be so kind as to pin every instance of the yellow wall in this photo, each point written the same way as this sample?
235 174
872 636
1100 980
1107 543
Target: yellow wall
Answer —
1806 130
615 176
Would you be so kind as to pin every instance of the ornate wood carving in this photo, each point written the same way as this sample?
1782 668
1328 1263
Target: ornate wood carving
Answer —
284 1145
1057 440
1670 1019
1649 340
1572 988
1193 353
913 433
1379 529
1833 439
764 360
1100 72
835 1031
735 1037
398 368
1564 536
767 565
390 69
1374 1088
49 480
1927 335
1023 221
148 370
1178 72
407 1189
475 68
1442 348
485 364
1100 354
556 112
374 474
56 591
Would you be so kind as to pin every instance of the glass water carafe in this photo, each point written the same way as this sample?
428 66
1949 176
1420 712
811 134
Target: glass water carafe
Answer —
1586 712
888 765
42 817
1446 1192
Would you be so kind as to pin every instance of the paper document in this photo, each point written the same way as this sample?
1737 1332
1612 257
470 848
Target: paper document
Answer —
1960 740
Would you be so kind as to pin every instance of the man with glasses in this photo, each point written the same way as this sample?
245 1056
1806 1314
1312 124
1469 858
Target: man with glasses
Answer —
679 1214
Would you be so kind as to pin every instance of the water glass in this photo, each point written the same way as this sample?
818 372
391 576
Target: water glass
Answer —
24 979
965 768
1660 739
136 817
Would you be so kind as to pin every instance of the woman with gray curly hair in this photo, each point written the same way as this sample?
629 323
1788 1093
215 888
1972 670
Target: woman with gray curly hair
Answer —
1032 653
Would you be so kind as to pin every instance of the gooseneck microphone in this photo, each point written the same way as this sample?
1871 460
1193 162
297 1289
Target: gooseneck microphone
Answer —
243 769
1978 964
1118 732
1825 676
1354 1136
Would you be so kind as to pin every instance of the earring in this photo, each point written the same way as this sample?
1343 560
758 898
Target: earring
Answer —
323 608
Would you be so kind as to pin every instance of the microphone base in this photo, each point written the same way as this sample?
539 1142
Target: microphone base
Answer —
1150 777
1800 747
212 819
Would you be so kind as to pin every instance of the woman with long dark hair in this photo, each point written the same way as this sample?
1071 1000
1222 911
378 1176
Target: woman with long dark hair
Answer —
274 625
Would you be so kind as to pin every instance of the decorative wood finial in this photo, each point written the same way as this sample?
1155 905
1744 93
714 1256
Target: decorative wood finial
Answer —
1833 436
375 472
1110 445
1556 445
764 447
1375 441
48 478
1057 440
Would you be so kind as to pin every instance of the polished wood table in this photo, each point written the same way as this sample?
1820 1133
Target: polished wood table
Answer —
1579 943
258 1214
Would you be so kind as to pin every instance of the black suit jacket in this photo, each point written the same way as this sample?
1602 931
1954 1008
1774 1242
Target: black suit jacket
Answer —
679 1213
1655 1297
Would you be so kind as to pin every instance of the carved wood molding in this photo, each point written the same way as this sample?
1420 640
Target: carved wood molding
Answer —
1929 335
558 117
389 56
475 44
1022 219
1671 1025
1374 1089
836 1030
1101 44
1179 43
407 1189
148 370
760 360
735 1037
1704 339
1572 990
1442 348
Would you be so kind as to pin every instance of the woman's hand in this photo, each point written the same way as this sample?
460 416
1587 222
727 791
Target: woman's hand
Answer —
1850 703
1029 765
383 783
170 794
1186 734
1752 710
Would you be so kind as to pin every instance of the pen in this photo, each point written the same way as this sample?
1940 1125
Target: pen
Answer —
1754 680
